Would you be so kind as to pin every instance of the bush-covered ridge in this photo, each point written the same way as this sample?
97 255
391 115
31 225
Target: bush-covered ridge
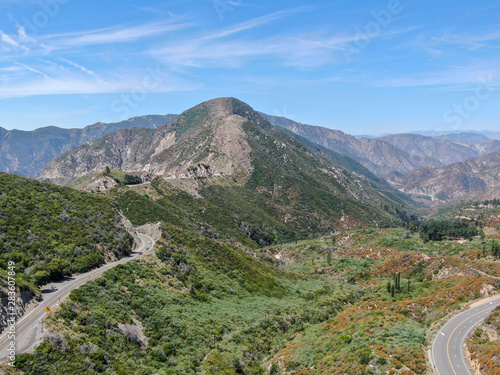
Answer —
203 305
51 232
198 305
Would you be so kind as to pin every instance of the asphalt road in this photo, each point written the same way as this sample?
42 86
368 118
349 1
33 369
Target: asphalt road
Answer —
448 346
28 327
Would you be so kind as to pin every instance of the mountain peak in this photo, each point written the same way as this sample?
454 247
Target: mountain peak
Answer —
224 107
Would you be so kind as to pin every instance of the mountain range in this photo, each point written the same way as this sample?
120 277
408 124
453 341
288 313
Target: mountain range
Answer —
226 151
137 145
27 152
467 180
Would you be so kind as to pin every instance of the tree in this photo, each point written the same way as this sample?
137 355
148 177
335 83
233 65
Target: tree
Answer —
41 277
495 249
107 171
329 259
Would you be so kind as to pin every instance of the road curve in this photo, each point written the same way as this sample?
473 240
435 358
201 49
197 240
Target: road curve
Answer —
448 346
29 325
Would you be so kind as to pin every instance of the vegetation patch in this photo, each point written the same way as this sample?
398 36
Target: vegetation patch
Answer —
51 232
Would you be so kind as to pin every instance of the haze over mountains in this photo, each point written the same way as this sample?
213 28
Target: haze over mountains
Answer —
27 152
131 145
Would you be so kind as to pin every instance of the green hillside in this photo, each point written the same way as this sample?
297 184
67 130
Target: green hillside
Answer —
199 305
51 232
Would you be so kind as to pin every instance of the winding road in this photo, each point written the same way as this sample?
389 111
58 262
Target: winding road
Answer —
448 347
29 326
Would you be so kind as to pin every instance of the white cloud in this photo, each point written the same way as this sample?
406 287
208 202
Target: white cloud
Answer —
118 34
454 78
70 85
251 24
302 50
472 42
33 70
11 42
76 65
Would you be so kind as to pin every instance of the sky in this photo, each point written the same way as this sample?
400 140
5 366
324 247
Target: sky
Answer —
364 67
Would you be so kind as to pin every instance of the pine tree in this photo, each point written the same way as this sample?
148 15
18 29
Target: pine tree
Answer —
495 249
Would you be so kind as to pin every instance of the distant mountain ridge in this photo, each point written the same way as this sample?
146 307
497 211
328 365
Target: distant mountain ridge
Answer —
27 152
455 182
440 150
396 153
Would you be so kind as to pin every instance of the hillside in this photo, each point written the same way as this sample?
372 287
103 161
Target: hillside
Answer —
199 305
440 149
379 156
455 182
365 301
395 155
50 232
27 152
234 155
465 138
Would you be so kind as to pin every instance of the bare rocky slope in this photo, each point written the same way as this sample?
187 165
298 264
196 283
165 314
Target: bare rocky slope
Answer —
440 150
455 182
209 134
378 156
27 152
226 143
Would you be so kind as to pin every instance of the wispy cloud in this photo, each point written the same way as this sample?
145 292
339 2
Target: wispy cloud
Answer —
118 34
58 86
76 65
300 50
471 42
155 11
251 24
33 70
11 42
452 79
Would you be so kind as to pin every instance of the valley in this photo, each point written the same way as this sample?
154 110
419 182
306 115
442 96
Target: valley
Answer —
280 248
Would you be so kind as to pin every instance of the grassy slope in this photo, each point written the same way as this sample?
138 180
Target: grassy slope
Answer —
313 195
382 334
50 231
204 305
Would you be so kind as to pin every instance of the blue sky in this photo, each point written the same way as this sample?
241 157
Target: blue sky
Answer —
361 67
